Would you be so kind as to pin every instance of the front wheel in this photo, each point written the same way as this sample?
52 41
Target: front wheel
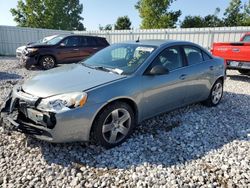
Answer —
113 125
216 94
47 62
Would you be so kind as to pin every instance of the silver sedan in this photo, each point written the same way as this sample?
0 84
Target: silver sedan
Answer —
104 97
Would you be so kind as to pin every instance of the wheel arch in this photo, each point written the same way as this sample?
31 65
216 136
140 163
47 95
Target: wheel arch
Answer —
42 55
219 78
128 101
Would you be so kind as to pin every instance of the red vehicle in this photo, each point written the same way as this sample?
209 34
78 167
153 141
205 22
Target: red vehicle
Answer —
236 55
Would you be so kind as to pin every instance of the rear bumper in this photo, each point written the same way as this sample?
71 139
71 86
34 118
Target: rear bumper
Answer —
237 65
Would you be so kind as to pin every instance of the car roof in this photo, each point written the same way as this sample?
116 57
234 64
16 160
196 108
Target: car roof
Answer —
78 35
157 42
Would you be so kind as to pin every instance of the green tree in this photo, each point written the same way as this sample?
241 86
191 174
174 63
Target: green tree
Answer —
233 14
212 21
198 21
246 14
123 23
192 21
107 27
155 14
50 14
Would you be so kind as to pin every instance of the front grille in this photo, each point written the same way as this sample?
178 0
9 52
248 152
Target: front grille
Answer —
18 54
24 128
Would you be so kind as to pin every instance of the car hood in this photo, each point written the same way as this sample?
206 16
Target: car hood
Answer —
37 45
68 78
21 48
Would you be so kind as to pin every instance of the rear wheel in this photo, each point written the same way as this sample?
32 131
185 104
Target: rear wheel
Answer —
113 125
246 72
216 94
47 62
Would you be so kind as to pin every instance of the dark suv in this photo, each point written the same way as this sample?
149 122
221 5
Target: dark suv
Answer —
62 49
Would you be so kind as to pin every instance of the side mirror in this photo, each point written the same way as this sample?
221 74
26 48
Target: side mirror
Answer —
157 70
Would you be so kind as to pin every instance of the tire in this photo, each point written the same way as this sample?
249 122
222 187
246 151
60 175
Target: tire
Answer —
246 72
47 62
27 66
216 94
113 125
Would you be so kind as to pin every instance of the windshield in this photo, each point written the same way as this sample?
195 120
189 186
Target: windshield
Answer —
45 40
55 40
121 58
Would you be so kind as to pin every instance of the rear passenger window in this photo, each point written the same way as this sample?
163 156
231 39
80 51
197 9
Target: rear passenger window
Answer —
91 41
84 41
206 57
102 41
193 54
170 58
246 38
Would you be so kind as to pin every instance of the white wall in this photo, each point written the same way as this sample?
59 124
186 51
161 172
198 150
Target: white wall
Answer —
12 37
203 36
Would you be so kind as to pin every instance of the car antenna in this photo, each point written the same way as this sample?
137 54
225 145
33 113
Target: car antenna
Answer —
138 40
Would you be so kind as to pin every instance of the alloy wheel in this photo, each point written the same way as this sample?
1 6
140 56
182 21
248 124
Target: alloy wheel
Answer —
48 62
217 93
116 126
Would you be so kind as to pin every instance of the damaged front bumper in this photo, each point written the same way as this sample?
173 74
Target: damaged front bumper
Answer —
73 125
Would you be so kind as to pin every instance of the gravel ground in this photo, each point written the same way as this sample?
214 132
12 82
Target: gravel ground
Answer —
194 146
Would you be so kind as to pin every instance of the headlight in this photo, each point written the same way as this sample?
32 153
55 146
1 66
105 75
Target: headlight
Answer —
32 50
62 103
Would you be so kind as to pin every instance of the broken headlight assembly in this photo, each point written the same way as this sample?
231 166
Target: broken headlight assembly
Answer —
63 102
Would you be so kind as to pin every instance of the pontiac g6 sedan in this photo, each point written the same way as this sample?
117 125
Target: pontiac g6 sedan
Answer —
105 96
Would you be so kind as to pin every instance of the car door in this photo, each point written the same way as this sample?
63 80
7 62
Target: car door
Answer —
165 92
70 49
88 46
199 69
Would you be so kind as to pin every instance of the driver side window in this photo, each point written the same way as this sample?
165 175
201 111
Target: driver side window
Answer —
71 42
170 58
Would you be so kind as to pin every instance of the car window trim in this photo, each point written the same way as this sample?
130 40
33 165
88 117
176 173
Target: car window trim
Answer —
182 59
203 52
196 48
70 46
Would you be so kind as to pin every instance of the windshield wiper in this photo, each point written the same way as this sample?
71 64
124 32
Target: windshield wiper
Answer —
115 70
106 69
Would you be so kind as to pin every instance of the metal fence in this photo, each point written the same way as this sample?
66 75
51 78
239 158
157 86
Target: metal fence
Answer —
203 36
12 37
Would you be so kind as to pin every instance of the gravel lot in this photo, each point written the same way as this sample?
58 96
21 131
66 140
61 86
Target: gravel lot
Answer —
194 146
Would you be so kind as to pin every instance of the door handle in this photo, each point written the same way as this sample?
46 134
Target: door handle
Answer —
183 77
211 67
76 49
95 48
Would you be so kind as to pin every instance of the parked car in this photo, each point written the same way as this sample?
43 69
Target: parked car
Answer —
236 54
62 49
20 49
105 96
